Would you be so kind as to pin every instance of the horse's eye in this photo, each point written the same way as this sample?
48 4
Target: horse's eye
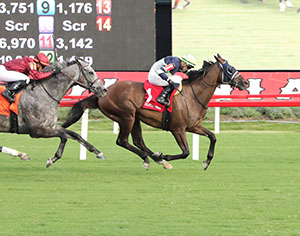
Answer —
230 69
91 73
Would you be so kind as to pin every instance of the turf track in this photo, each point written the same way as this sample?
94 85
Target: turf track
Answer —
251 187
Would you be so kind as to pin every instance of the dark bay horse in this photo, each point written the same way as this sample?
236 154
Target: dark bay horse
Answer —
124 100
38 106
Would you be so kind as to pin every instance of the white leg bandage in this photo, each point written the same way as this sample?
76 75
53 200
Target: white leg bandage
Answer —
10 151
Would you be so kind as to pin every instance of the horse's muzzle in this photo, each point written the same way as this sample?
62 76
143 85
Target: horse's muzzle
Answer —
244 85
240 84
99 91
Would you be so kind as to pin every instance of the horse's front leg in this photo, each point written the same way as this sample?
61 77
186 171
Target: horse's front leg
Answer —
64 135
205 132
211 150
181 140
73 135
51 132
59 152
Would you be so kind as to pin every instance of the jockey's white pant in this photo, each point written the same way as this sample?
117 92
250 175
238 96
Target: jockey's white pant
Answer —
12 76
155 79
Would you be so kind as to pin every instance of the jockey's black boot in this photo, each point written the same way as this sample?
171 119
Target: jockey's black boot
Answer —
164 97
12 89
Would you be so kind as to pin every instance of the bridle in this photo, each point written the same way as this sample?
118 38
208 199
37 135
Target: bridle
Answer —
90 84
229 74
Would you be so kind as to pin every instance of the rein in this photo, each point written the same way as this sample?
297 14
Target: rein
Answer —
53 98
198 100
187 107
207 84
90 84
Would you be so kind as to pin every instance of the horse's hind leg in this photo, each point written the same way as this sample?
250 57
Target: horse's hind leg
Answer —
122 140
138 141
181 140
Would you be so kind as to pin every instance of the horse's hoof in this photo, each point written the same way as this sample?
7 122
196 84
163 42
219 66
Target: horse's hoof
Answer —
205 165
23 156
101 156
165 164
49 163
146 165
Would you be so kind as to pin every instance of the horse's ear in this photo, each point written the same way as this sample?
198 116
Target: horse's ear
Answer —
69 63
220 59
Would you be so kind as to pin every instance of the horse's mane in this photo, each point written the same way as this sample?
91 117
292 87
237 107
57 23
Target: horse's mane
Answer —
49 68
56 64
196 74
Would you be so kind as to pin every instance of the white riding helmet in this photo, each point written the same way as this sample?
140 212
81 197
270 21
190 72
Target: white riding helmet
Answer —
189 60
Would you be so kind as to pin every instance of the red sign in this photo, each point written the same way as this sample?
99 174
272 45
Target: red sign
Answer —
264 88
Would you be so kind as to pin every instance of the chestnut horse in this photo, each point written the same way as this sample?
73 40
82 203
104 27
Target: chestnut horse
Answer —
124 104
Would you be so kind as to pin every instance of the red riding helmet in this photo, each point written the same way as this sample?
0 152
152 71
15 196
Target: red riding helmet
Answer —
42 59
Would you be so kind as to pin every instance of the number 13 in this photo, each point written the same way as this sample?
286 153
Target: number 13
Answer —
103 7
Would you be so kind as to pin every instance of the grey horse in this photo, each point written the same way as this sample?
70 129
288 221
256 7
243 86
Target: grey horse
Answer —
38 106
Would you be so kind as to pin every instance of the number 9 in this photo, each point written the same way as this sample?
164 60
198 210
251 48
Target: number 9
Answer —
45 7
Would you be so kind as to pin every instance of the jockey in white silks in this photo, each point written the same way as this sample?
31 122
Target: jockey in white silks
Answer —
162 73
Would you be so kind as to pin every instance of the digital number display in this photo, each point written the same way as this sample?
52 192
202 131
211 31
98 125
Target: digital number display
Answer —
112 35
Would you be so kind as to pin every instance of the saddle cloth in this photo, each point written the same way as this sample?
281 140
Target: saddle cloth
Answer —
152 92
5 107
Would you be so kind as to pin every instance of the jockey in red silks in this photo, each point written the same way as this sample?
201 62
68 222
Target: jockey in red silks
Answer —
162 74
20 71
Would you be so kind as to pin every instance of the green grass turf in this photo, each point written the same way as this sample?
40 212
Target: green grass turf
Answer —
251 187
251 35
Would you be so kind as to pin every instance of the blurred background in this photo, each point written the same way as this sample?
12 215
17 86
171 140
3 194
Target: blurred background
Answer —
251 34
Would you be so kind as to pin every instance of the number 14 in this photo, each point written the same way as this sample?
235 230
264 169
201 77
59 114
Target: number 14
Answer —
103 23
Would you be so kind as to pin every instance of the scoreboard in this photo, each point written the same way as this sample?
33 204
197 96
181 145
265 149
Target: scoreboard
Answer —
111 35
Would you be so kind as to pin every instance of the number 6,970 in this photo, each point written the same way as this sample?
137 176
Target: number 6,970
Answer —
15 43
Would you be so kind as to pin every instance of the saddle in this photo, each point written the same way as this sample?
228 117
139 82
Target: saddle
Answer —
11 110
151 94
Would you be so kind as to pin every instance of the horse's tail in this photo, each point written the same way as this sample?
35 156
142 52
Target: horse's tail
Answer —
78 109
